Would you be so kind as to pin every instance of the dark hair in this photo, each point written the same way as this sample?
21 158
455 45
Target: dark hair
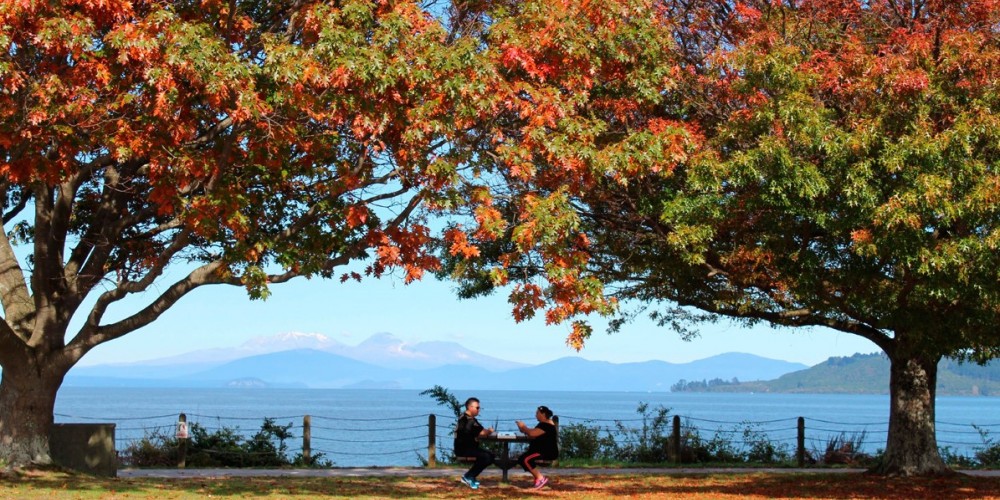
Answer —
470 401
545 411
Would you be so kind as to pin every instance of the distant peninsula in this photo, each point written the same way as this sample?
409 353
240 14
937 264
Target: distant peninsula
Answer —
858 374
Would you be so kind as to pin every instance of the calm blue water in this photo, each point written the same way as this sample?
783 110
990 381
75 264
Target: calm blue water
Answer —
390 427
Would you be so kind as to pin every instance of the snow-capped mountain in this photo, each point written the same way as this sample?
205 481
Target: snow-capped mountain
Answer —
382 349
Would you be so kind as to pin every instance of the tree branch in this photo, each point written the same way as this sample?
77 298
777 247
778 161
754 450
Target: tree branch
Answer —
22 202
803 317
14 295
91 335
212 132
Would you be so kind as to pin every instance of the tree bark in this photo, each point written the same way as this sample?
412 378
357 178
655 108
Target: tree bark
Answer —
911 447
27 400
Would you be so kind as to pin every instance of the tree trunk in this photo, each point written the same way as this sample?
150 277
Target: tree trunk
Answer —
911 447
27 400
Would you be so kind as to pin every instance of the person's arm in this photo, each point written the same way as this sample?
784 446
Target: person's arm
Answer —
529 431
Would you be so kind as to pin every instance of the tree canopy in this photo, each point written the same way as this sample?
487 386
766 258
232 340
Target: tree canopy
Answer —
252 142
830 164
247 143
264 142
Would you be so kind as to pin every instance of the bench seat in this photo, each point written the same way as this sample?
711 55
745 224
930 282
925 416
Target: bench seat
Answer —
540 463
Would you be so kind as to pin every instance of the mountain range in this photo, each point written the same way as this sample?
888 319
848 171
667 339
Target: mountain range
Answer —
386 362
381 349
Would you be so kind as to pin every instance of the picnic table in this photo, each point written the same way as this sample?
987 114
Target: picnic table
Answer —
505 462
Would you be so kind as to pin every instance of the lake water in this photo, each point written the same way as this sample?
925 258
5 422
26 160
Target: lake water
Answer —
390 427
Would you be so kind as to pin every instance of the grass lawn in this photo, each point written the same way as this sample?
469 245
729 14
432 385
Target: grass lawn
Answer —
55 485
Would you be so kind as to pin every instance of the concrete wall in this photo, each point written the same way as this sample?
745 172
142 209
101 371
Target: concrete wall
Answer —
86 448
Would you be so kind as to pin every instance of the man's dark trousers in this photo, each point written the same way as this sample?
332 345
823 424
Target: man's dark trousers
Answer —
483 460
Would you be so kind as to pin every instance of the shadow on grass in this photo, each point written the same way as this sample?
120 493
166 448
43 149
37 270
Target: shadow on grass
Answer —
763 485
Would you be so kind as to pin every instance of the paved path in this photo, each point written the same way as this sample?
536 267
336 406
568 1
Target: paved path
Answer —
491 472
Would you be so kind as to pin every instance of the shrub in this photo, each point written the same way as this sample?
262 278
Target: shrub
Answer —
846 450
225 447
584 442
267 448
954 459
219 449
988 454
695 449
155 449
648 443
761 449
444 397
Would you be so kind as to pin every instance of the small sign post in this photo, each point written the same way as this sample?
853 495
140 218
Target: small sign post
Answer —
182 440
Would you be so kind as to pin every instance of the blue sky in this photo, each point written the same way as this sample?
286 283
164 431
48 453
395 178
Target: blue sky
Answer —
223 316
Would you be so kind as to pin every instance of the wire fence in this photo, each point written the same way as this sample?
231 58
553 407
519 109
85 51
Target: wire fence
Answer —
426 438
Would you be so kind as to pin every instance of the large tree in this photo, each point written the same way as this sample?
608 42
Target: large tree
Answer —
240 142
834 163
250 142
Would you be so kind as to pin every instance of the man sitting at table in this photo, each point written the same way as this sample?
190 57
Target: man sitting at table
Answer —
467 431
544 444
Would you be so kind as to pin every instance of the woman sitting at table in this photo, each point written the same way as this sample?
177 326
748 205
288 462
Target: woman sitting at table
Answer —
544 444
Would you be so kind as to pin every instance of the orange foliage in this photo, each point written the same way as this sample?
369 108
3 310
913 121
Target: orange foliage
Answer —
861 236
460 245
526 299
356 215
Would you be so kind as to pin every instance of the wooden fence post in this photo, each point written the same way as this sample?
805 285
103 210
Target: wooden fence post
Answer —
675 439
432 440
182 440
307 440
800 454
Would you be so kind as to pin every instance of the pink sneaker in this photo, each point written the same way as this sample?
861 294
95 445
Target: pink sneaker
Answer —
541 483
